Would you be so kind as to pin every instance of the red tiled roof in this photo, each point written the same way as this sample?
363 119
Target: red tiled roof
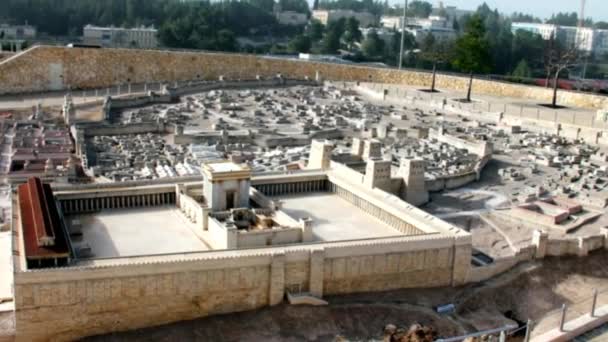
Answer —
43 234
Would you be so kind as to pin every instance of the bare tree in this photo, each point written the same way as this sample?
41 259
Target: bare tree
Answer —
437 53
557 59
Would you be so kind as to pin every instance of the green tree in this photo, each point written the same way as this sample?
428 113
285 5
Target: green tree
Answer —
351 33
300 6
601 25
527 46
226 41
300 43
519 17
265 5
472 51
564 19
522 70
372 46
331 40
420 9
355 5
393 48
315 30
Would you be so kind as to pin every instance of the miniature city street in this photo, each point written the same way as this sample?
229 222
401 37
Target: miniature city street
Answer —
228 170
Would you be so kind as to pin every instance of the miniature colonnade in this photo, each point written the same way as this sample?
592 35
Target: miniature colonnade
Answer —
95 201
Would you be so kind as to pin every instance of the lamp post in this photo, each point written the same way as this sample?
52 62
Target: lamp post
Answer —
403 25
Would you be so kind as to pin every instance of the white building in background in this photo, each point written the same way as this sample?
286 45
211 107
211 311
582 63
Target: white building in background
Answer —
327 16
439 33
587 39
17 31
385 34
439 27
390 22
140 37
544 30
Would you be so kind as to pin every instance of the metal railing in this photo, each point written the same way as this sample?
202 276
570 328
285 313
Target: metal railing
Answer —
558 318
501 332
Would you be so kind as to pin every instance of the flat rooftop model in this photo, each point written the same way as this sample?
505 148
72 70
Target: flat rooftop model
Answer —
334 218
143 231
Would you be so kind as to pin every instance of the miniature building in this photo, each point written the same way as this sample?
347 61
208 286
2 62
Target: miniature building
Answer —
372 149
378 174
412 172
44 237
226 185
320 155
357 147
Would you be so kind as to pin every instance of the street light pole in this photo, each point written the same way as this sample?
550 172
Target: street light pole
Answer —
403 25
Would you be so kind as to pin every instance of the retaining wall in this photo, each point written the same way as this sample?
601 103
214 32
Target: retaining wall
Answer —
113 295
44 68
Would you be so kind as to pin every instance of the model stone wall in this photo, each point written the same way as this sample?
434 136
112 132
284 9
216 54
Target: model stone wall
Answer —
425 268
46 68
120 294
67 304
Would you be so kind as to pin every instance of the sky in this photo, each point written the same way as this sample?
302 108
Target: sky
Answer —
596 9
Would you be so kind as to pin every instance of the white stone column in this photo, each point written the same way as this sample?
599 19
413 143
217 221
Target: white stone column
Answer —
583 248
540 239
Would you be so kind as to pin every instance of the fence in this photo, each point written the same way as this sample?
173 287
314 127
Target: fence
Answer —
497 334
559 318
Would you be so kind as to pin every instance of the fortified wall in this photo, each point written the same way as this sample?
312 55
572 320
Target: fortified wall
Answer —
116 295
103 295
45 68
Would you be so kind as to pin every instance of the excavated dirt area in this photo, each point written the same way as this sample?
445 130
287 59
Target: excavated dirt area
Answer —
527 292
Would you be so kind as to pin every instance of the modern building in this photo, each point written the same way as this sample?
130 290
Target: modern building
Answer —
587 39
17 31
385 34
450 12
140 37
438 32
391 22
327 16
439 27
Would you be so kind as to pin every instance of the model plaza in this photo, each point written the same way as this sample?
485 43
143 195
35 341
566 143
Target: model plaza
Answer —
229 210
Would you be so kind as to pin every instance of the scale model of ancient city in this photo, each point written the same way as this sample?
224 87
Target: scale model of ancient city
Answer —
169 186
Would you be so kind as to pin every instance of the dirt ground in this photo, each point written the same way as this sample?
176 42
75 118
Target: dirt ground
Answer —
527 292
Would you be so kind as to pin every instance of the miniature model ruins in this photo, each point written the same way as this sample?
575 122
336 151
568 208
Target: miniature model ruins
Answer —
221 196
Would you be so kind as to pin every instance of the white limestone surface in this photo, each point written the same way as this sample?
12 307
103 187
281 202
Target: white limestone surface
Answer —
335 219
120 233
